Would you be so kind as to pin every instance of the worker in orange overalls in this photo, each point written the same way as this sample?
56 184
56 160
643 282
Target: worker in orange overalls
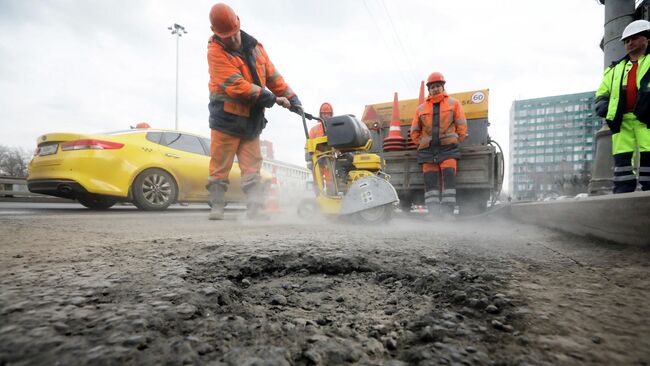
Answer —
326 112
240 73
439 125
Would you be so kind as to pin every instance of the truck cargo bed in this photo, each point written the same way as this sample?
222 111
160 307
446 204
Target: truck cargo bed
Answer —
475 168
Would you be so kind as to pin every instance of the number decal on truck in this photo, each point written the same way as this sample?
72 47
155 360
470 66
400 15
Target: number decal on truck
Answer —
478 97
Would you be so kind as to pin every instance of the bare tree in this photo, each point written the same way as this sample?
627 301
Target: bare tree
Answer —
13 161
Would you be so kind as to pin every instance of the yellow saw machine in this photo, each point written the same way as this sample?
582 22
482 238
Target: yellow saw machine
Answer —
348 180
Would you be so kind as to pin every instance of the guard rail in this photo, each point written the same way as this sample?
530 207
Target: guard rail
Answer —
14 189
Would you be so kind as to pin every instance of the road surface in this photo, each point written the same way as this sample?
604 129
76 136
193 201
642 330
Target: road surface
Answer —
131 287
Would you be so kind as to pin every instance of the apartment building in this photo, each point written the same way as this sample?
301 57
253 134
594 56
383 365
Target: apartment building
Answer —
552 145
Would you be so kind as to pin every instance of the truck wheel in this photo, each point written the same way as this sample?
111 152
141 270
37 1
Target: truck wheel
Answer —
376 215
96 201
405 204
154 190
472 202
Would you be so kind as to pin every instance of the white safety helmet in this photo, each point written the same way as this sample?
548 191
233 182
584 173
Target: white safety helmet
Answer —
636 27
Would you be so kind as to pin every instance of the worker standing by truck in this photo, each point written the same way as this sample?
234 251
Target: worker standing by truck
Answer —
439 125
623 99
240 71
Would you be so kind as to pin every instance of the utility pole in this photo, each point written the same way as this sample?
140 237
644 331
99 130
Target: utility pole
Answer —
618 14
177 30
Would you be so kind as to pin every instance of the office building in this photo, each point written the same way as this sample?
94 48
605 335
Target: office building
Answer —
552 145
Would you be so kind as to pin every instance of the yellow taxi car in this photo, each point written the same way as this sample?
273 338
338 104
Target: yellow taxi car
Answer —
152 168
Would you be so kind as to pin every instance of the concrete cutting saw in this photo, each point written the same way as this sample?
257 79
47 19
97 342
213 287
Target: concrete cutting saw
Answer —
348 180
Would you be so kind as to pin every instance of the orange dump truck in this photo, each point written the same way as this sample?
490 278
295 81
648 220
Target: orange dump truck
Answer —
479 175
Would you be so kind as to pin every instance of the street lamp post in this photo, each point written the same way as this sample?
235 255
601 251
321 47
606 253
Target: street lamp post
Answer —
177 30
618 14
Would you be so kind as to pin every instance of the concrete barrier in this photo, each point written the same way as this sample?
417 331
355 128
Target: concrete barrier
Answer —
14 189
621 218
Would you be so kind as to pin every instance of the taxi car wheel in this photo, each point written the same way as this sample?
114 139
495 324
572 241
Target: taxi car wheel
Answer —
153 190
96 201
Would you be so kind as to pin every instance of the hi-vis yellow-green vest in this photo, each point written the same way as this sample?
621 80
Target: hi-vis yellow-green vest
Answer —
613 88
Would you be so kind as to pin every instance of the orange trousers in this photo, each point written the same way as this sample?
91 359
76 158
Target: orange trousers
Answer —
437 170
224 147
433 167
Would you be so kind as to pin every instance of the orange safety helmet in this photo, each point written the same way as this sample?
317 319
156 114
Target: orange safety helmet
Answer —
326 108
435 77
225 23
142 125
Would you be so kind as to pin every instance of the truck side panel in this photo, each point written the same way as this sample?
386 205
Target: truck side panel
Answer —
475 168
404 170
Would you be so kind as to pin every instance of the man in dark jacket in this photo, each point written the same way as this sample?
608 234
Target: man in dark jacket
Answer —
240 73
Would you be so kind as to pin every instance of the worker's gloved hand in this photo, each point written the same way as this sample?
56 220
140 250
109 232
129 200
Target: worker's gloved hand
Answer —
601 105
282 101
296 106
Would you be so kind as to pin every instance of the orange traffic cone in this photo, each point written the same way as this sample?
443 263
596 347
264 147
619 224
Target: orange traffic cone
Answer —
421 98
370 115
410 145
272 202
371 118
394 141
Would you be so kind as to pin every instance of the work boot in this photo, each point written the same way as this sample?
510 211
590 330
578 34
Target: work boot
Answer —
217 200
255 192
216 213
432 195
255 211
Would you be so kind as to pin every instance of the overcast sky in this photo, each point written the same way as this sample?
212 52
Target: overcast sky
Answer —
94 66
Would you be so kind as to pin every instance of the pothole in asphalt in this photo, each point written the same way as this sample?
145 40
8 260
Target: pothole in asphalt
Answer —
345 308
283 307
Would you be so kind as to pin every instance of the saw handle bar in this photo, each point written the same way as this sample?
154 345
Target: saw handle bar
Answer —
305 116
301 112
